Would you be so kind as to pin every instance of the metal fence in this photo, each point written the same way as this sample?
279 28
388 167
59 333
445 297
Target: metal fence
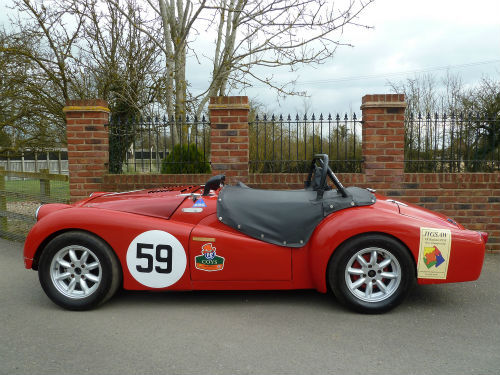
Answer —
159 145
279 144
452 143
20 195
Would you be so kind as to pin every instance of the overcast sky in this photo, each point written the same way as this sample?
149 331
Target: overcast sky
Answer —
407 38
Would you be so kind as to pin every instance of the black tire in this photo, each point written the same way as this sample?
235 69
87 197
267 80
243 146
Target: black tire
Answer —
362 286
74 280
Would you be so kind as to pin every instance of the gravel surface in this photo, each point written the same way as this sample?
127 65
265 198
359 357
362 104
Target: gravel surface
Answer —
25 208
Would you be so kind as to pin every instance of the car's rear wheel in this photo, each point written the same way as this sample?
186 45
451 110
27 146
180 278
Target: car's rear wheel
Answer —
79 271
371 273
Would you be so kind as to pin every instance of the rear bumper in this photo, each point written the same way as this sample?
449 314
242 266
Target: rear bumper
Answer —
466 257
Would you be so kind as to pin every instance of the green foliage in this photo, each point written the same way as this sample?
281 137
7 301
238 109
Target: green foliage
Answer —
121 136
184 159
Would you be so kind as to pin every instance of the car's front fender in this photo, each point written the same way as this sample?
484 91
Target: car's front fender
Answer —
117 229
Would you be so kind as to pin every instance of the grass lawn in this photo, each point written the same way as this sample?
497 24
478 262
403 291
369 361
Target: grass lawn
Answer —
25 204
59 190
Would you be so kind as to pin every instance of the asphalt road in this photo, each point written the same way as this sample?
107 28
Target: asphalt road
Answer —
445 329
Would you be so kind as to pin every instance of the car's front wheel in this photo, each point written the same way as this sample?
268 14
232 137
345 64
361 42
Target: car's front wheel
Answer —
78 271
371 273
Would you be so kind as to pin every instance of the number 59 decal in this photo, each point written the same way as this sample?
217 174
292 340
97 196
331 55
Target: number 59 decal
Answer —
156 259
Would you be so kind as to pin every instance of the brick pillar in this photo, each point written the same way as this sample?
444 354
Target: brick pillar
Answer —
88 150
229 137
383 139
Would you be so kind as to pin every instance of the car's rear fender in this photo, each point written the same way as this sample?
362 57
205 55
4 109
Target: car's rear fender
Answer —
388 235
347 224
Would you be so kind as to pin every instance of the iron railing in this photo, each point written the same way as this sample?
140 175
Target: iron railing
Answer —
279 144
452 143
20 195
159 145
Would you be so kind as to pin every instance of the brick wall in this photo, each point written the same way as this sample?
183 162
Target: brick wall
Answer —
383 139
87 137
229 137
473 199
125 182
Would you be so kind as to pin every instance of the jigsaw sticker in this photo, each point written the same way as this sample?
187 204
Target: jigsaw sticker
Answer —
156 259
434 253
209 260
200 203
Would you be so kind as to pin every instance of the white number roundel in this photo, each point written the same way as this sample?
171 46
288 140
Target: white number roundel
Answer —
156 259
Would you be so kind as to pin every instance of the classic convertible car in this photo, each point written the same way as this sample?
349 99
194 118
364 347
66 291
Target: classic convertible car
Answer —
368 249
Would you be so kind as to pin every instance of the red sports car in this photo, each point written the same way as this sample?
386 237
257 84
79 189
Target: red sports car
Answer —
368 249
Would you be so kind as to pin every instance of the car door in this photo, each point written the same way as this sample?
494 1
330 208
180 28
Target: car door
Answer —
218 252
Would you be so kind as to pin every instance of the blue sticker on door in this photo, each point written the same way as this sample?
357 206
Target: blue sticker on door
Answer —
200 203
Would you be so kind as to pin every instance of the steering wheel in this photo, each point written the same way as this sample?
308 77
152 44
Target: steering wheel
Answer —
322 160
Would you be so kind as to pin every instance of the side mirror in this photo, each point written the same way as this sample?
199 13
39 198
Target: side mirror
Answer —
214 183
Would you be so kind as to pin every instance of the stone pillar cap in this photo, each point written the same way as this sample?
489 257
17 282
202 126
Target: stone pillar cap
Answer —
383 105
91 105
229 102
383 101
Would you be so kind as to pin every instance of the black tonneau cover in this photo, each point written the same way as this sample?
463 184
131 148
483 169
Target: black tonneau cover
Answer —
283 217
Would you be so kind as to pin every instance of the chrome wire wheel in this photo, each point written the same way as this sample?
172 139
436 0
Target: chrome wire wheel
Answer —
373 274
75 271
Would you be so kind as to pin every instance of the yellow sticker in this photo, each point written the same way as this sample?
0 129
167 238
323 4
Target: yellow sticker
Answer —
204 239
434 253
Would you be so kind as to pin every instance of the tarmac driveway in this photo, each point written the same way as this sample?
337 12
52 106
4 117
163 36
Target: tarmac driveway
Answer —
442 329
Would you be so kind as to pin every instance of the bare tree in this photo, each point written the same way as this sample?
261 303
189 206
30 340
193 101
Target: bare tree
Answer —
481 104
444 115
452 98
248 35
68 49
120 64
135 54
420 93
426 94
13 73
41 45
273 34
115 60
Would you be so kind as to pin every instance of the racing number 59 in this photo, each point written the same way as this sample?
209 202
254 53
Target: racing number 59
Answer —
158 255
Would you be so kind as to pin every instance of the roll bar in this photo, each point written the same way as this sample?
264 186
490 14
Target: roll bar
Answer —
323 160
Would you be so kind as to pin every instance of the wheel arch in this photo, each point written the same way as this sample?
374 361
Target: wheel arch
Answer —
385 234
41 247
322 253
108 277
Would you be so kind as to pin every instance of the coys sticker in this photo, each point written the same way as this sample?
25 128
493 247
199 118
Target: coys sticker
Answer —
209 260
434 253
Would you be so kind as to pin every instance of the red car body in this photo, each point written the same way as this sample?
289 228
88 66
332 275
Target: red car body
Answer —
243 262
